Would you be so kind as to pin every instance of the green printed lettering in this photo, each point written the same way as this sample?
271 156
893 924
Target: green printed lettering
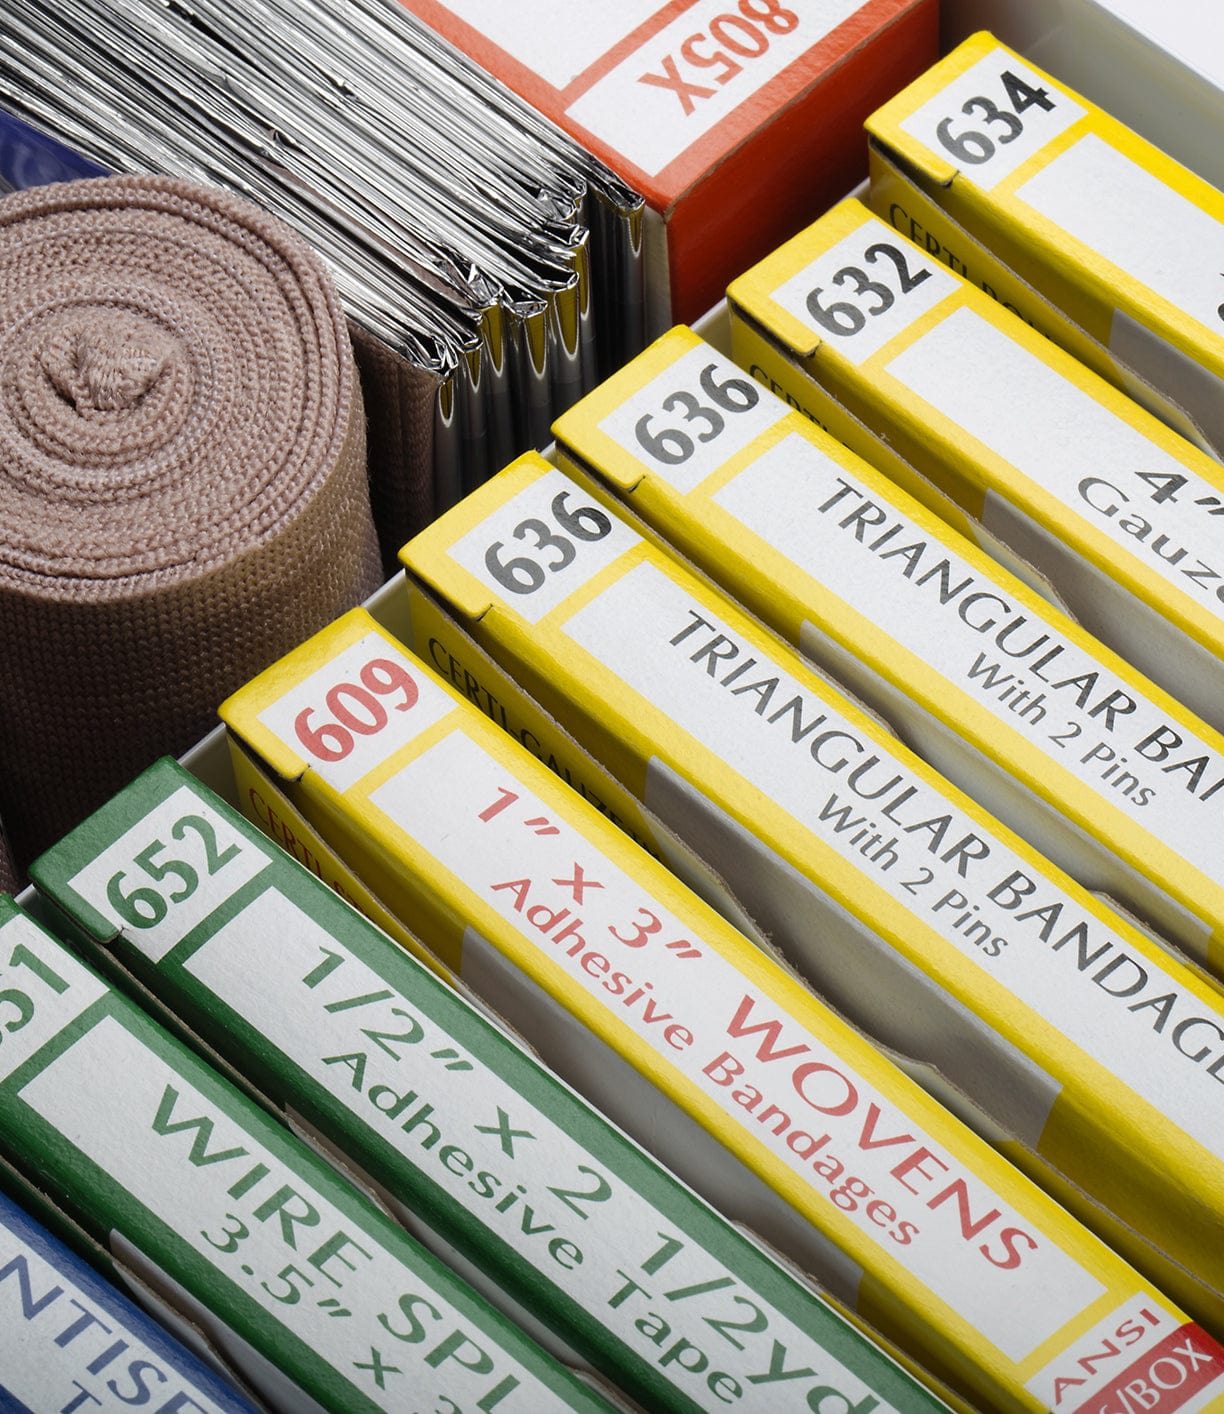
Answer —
201 1129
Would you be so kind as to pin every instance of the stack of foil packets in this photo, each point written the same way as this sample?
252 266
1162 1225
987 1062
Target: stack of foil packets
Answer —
490 267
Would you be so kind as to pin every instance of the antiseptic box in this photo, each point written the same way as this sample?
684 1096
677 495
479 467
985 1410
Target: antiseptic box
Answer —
708 107
703 1046
1046 1017
318 1298
70 1340
1061 739
1115 509
479 1150
1119 237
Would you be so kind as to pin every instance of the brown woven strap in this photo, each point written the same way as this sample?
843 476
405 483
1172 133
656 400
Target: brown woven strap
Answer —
10 880
183 490
401 401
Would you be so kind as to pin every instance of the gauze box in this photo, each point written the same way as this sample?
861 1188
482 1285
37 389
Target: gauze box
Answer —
1096 493
1118 238
918 915
692 1038
314 1294
479 1151
1061 739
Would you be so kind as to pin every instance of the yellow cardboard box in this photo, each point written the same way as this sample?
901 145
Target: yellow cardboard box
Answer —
704 1047
1060 738
1116 510
911 909
1121 239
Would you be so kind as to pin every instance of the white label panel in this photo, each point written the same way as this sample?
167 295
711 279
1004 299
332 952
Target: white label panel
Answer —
168 872
683 81
535 549
1070 444
696 1010
987 125
1094 192
1025 670
967 886
864 290
693 418
363 704
542 35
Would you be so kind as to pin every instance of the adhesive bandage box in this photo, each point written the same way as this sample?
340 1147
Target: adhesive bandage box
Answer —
918 915
70 1340
1123 240
699 1043
465 1137
709 108
317 1297
1064 741
1114 508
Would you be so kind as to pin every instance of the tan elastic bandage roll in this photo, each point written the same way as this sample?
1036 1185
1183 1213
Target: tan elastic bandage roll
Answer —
183 490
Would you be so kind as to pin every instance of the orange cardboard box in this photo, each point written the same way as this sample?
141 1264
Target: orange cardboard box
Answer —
738 120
